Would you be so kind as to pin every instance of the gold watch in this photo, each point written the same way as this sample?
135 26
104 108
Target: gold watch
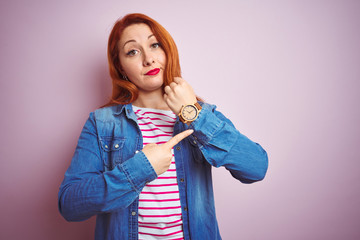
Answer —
190 112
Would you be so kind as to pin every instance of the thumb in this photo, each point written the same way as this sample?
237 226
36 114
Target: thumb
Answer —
177 138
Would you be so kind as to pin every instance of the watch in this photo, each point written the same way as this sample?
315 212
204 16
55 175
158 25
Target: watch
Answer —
189 112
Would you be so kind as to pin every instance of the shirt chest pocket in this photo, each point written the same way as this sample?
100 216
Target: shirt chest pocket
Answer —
112 148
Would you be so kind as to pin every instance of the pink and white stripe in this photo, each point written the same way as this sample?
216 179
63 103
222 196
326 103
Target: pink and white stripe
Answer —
159 202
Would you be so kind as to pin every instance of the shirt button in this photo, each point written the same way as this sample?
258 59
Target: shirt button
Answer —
128 111
194 142
178 148
195 137
106 146
182 180
185 208
133 213
116 145
136 151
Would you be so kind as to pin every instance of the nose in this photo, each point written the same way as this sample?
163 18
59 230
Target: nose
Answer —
148 58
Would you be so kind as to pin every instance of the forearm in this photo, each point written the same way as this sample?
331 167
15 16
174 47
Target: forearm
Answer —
96 193
223 145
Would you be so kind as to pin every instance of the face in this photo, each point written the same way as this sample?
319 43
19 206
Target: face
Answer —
141 57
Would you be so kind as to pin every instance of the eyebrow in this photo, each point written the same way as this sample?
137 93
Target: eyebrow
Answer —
132 40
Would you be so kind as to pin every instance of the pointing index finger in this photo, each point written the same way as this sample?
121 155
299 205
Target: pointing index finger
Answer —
177 138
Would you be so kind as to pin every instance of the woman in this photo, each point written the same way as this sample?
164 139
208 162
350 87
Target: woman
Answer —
129 171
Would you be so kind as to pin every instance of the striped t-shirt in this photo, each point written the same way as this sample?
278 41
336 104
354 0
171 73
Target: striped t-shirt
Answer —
159 202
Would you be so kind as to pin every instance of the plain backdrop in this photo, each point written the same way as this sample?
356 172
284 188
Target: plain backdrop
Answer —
285 72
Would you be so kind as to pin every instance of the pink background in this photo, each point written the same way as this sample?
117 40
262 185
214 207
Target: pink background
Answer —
285 72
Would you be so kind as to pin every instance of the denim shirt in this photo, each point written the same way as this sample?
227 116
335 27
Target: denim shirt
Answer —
109 170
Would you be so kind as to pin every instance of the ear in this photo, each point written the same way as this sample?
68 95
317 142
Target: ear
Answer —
122 72
123 75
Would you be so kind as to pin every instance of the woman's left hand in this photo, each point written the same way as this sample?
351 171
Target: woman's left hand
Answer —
179 93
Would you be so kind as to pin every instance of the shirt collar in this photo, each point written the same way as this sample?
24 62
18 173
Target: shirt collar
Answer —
127 108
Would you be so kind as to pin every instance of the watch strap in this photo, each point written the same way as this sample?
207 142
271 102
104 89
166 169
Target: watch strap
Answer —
198 106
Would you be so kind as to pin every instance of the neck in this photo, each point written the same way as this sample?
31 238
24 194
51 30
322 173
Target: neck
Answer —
154 99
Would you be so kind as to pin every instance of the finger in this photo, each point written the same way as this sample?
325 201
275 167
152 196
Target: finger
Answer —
167 89
167 99
173 85
150 145
178 80
177 138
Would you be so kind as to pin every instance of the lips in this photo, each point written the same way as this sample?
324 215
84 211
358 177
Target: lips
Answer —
153 71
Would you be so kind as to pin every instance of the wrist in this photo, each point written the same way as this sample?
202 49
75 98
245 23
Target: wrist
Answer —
189 112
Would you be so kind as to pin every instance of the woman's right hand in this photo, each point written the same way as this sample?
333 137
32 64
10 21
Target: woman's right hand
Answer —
160 155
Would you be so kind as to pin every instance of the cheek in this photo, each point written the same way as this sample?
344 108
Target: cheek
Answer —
130 67
162 58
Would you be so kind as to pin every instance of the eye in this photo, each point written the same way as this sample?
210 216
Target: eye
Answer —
132 53
155 45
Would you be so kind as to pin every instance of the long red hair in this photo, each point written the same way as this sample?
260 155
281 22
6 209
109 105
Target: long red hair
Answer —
123 91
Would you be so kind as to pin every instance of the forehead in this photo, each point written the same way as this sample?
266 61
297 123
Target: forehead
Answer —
138 32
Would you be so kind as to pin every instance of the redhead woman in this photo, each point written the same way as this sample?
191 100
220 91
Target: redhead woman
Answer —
143 161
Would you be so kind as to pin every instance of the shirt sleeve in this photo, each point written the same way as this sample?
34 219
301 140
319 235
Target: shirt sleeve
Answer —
88 190
223 145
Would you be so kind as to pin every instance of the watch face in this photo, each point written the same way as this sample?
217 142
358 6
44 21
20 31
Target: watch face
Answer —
189 112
